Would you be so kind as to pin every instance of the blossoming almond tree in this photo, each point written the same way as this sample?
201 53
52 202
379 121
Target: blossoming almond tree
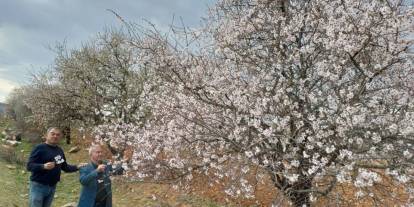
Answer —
307 90
96 84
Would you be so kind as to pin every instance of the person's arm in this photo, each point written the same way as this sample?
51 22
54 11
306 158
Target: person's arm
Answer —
87 177
32 164
66 167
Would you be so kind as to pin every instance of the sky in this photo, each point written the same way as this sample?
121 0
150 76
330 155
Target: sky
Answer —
29 28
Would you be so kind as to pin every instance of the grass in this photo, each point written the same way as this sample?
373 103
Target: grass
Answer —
14 186
15 183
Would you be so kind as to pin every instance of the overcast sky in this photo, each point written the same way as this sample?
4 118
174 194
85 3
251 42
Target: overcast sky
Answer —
29 27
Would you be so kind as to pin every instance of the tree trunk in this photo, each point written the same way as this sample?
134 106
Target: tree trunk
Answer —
301 199
67 133
299 193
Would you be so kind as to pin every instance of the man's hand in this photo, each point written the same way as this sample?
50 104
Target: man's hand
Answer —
101 168
80 165
49 165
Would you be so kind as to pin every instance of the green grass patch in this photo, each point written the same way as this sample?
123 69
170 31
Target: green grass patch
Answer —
17 180
14 189
14 186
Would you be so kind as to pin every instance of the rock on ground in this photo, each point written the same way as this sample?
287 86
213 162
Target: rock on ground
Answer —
74 149
73 204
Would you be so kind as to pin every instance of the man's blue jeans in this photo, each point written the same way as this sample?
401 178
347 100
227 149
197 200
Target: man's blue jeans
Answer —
41 195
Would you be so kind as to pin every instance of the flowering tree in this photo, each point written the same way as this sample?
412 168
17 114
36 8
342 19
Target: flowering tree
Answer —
315 93
103 77
51 105
96 84
106 78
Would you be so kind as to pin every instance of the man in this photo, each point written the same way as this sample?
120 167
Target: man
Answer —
94 177
46 162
